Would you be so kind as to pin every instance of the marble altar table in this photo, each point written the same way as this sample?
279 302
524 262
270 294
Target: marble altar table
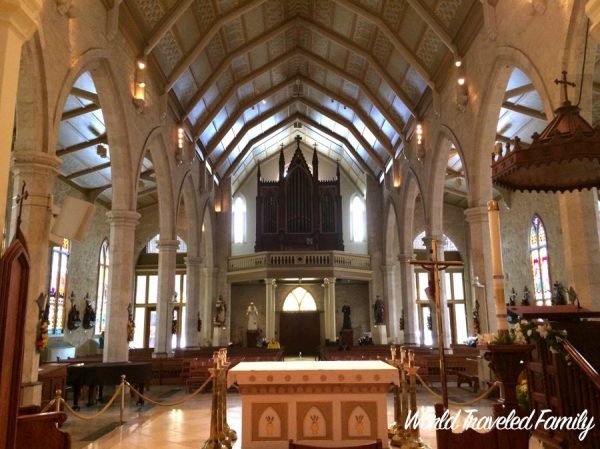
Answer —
333 403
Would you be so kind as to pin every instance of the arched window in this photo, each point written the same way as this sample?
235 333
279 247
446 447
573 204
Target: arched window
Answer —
448 244
357 219
299 300
102 297
58 287
152 245
538 248
239 220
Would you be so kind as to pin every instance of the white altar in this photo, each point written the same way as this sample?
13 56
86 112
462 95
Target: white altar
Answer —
325 403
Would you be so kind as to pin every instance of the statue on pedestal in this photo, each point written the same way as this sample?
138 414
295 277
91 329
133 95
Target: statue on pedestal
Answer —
220 311
252 314
378 308
347 324
526 296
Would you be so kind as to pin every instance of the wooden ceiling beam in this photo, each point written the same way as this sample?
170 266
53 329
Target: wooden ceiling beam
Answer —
67 115
367 56
533 113
425 14
166 23
83 145
88 171
518 91
398 45
199 47
85 94
238 52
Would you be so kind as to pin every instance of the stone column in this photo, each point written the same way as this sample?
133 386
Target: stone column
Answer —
480 264
38 170
18 22
329 296
120 287
411 316
392 301
207 281
167 251
192 302
270 290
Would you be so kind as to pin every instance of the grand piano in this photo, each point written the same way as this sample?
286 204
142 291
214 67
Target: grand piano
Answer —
99 374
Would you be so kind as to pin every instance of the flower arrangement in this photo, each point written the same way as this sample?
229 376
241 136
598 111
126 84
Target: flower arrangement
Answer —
525 332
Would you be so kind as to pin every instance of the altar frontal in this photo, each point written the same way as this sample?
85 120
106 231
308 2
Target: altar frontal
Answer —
334 403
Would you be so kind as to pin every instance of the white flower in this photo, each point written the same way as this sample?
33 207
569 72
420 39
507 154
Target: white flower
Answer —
543 331
529 332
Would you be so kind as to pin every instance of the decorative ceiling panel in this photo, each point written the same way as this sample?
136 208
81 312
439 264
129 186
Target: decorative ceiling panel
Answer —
206 15
152 11
169 51
372 5
412 29
273 12
382 48
233 33
446 10
393 11
363 33
428 48
224 6
216 51
356 66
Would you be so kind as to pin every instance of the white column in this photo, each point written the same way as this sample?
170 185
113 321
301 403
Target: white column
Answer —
167 251
38 170
270 291
392 302
120 288
18 22
329 296
411 317
480 264
192 302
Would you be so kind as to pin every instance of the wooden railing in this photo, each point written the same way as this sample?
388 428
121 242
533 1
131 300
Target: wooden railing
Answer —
335 259
568 386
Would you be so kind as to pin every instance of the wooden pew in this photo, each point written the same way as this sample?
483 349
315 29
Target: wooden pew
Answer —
40 430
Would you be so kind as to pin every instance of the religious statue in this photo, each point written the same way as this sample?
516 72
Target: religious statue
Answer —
130 323
252 314
347 324
199 323
89 314
526 296
378 308
402 320
476 323
73 319
220 311
430 289
573 297
512 299
558 294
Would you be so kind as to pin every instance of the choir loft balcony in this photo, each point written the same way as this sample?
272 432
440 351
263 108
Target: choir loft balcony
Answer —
281 264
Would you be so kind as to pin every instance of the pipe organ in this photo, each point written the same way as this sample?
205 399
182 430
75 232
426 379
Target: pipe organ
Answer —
298 211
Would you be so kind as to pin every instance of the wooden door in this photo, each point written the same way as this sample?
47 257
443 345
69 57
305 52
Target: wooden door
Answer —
300 332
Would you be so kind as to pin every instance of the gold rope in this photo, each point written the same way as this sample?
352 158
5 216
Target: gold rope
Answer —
484 395
170 404
101 412
48 405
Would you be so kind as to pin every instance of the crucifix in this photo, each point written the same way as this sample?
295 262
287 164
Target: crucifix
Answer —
21 197
565 83
434 266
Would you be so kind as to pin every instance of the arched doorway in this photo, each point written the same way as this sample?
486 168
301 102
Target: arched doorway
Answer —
299 323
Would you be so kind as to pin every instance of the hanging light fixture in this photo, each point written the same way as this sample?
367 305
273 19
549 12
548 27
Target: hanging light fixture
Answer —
564 157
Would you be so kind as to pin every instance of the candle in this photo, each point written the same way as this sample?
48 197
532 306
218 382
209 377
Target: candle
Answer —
498 276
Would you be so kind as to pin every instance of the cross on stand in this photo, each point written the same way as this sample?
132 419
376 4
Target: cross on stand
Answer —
20 199
434 266
565 83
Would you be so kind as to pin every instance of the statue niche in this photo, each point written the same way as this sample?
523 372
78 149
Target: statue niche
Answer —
298 211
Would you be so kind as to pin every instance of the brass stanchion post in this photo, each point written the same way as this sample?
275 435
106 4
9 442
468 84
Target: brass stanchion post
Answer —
122 408
213 440
57 398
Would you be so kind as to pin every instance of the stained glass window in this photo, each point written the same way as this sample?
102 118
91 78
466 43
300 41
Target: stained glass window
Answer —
538 247
102 298
58 287
299 300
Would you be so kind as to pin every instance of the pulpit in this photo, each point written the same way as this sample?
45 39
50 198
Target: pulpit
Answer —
340 403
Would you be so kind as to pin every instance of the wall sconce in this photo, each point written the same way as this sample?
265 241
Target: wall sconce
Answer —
462 91
139 89
420 144
218 202
396 174
180 143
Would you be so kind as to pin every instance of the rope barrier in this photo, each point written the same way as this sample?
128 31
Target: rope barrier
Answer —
48 406
484 395
100 413
170 404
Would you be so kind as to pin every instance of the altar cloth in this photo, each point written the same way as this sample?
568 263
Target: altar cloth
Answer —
333 403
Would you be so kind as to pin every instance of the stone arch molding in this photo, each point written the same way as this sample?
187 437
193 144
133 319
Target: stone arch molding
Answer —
155 145
98 63
507 58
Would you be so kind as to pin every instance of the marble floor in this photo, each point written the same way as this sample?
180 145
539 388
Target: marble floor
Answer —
187 426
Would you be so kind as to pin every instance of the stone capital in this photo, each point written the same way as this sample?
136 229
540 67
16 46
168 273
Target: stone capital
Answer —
35 163
123 218
167 245
477 214
20 15
404 258
192 261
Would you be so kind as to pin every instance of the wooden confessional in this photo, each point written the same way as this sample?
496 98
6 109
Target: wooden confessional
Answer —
298 211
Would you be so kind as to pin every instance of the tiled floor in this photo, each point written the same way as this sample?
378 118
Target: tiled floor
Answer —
188 425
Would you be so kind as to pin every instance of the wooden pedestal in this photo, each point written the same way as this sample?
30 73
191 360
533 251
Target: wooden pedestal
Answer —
347 337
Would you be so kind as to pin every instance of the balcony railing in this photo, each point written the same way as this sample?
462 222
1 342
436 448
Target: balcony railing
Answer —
286 259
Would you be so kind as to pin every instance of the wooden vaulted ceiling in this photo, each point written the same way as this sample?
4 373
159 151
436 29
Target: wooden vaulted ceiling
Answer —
245 76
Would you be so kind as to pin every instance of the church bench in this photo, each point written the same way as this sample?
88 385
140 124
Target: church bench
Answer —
36 430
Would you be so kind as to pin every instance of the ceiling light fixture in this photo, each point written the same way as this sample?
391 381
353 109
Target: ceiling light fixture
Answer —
139 88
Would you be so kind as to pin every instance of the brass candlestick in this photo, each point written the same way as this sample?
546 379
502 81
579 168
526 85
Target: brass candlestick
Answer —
213 441
232 434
